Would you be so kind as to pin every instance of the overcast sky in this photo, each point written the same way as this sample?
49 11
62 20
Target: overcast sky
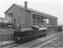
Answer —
53 7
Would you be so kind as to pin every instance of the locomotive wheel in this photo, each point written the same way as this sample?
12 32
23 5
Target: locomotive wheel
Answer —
18 40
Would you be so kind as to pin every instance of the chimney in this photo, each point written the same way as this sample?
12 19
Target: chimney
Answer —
25 4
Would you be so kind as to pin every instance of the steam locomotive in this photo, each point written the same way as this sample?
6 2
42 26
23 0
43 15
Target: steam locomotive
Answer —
28 34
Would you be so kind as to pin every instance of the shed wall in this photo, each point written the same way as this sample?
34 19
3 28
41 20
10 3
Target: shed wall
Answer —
25 17
19 14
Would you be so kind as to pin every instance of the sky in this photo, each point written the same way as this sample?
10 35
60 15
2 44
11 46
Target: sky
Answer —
52 7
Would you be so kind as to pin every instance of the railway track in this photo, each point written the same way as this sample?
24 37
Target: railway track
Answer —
7 45
47 42
10 45
38 45
53 43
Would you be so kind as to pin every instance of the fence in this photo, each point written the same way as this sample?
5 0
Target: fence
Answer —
5 37
5 34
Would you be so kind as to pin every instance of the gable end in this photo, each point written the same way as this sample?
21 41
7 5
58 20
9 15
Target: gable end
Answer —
9 8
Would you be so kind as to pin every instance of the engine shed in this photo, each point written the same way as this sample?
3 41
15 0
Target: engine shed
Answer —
27 17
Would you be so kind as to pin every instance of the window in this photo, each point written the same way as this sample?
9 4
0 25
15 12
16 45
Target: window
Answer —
10 14
38 19
34 16
34 19
46 21
34 22
41 19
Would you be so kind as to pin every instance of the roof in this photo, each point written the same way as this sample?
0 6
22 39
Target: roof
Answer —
31 10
